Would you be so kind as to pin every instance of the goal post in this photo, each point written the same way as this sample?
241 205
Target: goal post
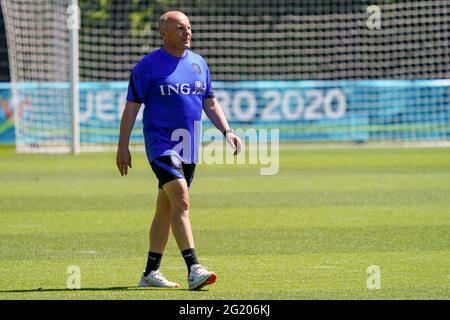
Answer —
73 24
38 50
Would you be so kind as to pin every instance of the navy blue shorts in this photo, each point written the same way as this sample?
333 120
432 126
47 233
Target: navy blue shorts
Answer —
168 168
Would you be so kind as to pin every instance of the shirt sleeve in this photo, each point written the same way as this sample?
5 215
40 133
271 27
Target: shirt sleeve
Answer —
209 90
134 92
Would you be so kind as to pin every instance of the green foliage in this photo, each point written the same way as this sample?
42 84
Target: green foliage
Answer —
93 11
140 14
140 21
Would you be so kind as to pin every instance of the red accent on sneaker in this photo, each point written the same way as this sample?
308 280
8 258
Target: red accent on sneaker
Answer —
212 278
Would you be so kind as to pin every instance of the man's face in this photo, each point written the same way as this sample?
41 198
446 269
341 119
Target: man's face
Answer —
177 32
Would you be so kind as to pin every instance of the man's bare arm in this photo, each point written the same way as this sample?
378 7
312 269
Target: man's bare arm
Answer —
123 156
215 113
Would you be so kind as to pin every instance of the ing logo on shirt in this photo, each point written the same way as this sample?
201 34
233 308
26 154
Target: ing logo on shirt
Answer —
184 88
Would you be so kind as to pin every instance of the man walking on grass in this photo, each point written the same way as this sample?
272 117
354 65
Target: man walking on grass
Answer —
174 84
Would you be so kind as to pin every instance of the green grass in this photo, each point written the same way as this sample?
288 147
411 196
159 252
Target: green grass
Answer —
309 232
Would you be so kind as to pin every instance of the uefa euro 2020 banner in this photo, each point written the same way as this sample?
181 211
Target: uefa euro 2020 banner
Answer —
301 110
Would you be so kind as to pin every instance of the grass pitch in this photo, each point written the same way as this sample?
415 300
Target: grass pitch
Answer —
309 232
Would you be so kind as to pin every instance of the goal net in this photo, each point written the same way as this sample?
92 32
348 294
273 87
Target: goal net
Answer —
318 70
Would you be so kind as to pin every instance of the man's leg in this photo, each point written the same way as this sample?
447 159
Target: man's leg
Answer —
159 232
178 194
160 228
158 237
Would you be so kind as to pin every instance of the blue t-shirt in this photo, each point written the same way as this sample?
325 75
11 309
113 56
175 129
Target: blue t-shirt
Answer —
172 90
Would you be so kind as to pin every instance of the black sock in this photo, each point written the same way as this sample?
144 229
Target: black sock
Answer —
153 262
189 257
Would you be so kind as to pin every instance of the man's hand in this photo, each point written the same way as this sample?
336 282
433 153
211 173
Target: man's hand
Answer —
235 142
123 157
123 160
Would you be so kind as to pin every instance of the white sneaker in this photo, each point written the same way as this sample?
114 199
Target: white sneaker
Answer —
200 277
156 279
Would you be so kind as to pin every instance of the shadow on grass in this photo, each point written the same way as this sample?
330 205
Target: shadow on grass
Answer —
130 288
